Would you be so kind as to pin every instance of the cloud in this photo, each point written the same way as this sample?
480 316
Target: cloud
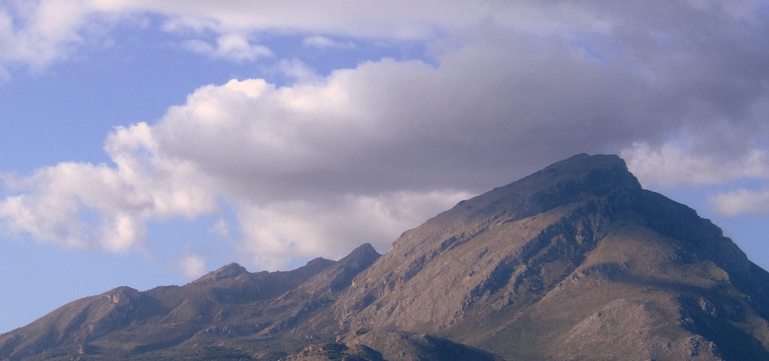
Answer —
55 208
384 124
741 201
229 47
193 266
38 33
220 228
360 19
319 166
280 232
322 42
298 71
671 165
85 206
50 29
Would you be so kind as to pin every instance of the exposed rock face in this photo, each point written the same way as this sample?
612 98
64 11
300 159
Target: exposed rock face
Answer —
574 262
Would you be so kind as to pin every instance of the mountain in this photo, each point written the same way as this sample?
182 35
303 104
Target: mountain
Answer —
574 262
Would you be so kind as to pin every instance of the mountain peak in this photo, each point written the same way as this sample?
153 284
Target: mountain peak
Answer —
229 271
572 180
583 173
363 251
586 161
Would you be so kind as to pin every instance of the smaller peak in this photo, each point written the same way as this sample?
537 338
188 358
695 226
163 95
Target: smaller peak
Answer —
351 265
363 256
229 271
318 262
123 289
364 251
122 295
232 267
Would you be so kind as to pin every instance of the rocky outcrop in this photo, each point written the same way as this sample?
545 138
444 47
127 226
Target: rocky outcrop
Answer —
336 351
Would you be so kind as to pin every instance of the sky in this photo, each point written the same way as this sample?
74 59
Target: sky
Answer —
145 143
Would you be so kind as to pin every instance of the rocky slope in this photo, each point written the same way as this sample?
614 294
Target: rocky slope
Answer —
574 262
571 260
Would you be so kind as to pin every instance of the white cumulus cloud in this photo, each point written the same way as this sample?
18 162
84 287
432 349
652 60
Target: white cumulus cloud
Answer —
87 206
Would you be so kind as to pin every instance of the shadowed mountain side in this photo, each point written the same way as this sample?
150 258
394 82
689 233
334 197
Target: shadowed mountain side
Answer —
575 262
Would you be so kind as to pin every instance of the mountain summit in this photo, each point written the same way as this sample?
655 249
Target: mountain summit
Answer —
574 262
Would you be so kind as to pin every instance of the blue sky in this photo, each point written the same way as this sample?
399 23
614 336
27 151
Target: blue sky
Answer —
147 144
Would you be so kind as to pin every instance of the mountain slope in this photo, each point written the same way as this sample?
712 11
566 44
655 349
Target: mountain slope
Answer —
574 262
227 302
570 260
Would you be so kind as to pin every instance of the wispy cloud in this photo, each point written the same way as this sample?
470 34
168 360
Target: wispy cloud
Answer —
229 47
192 266
741 201
322 42
39 33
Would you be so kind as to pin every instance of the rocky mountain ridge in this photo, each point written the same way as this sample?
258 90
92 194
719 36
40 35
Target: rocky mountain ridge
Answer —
574 262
